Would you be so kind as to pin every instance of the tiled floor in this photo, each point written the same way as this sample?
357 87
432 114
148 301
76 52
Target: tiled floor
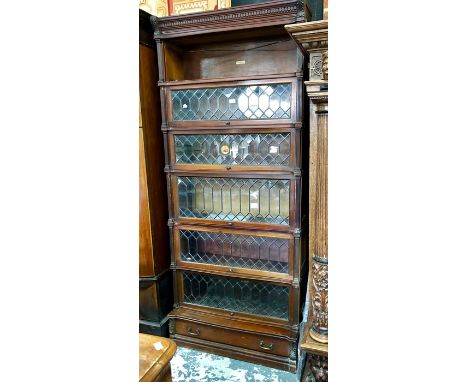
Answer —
194 366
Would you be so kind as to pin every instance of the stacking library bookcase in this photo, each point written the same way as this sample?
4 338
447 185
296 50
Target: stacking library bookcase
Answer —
231 85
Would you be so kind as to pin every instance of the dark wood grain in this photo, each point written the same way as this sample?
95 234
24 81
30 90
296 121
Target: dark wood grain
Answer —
154 257
154 156
146 245
252 16
249 58
253 341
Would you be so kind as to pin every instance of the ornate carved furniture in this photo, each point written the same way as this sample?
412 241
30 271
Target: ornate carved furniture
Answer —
313 38
232 100
155 356
155 276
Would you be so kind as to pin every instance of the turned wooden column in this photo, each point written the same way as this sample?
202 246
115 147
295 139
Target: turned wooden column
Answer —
313 38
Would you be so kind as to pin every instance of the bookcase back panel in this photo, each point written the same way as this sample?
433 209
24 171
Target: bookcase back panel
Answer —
194 60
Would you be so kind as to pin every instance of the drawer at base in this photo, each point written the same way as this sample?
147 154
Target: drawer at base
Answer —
246 340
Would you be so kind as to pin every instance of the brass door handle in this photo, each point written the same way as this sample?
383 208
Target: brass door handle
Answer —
266 347
193 333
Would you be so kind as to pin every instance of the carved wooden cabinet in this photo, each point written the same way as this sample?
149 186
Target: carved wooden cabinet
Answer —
232 98
155 276
313 39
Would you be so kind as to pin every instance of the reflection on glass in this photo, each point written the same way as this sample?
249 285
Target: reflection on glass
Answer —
242 149
244 251
241 102
232 199
245 296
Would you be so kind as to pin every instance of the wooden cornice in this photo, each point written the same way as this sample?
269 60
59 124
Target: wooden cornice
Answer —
311 36
270 13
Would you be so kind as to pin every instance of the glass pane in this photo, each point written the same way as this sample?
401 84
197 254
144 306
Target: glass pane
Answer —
240 102
245 200
241 149
238 295
244 251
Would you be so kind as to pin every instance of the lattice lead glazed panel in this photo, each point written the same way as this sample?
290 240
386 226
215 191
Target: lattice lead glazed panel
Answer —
243 251
271 101
240 149
243 296
230 199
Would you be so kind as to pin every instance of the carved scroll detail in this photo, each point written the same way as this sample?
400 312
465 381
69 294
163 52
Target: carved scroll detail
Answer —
325 64
320 297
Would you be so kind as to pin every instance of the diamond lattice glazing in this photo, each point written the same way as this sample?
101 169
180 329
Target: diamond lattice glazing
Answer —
271 101
243 251
241 149
238 295
233 199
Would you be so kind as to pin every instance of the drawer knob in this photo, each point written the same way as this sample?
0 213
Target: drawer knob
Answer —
228 123
231 313
228 167
265 346
231 270
193 333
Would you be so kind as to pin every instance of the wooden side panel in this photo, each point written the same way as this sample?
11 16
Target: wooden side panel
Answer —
149 302
154 156
174 68
155 297
146 245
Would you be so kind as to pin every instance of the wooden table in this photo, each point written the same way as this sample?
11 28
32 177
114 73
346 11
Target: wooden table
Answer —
155 356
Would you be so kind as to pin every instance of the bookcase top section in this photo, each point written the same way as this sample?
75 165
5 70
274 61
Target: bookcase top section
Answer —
248 17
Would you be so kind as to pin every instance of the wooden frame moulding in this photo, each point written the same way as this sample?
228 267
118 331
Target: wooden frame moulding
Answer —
252 16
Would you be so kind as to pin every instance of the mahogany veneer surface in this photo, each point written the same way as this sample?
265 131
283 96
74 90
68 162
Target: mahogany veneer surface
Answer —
155 356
